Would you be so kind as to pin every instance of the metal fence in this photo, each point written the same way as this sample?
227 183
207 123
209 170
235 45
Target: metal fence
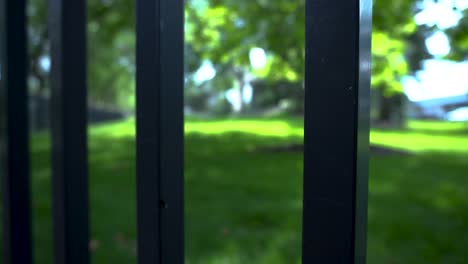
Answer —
336 131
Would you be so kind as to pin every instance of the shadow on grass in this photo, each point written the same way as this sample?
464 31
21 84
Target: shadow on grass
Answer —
417 209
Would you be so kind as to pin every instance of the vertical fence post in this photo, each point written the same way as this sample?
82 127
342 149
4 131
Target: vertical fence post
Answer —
14 138
336 130
67 27
172 130
159 95
363 123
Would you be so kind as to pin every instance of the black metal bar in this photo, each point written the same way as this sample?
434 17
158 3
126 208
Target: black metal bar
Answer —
160 131
363 113
336 130
14 138
172 130
67 30
148 122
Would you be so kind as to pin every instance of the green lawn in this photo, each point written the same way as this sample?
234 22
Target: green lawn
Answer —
418 203
244 206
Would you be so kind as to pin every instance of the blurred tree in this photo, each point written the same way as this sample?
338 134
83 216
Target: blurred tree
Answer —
111 45
459 39
38 44
224 31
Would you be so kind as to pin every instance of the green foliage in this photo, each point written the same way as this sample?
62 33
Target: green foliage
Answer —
224 31
393 23
388 64
111 52
111 44
459 39
395 18
38 46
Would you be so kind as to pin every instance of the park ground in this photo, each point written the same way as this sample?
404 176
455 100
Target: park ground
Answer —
243 204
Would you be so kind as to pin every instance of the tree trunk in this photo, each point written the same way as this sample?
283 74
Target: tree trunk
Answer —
385 110
241 82
391 110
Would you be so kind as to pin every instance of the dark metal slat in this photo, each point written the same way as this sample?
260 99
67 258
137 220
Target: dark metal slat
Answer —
148 122
363 117
67 30
336 130
14 138
160 131
172 130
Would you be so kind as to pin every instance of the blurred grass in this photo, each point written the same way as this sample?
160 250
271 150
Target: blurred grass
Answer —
244 206
425 136
417 203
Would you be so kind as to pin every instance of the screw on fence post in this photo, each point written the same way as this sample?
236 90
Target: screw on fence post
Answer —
159 93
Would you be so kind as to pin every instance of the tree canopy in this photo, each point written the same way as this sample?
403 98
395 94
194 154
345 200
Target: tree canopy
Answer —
459 39
225 31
